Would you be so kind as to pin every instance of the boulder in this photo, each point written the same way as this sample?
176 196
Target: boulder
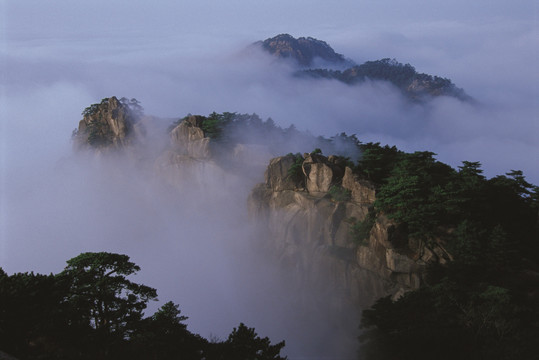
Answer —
321 173
279 175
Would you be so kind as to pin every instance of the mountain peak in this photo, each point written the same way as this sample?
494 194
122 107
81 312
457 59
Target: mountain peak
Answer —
306 51
318 60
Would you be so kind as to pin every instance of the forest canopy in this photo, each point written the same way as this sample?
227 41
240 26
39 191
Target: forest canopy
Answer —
483 303
91 310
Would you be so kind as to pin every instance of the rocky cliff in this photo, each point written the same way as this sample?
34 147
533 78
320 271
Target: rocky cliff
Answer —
190 160
108 124
182 156
309 225
308 209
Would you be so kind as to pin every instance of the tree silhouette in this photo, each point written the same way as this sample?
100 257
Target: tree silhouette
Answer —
101 294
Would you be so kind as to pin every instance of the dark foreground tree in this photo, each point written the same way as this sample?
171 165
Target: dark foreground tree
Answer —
91 310
101 293
243 343
31 320
102 301
165 336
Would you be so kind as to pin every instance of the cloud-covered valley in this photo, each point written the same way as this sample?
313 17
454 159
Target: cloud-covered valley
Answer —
54 205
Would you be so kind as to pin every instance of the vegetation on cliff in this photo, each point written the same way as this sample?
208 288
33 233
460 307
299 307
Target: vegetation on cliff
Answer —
361 229
430 198
108 122
403 76
478 302
228 129
295 172
91 310
338 193
483 304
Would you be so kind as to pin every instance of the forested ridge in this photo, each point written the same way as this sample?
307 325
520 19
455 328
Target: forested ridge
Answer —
305 52
482 304
403 76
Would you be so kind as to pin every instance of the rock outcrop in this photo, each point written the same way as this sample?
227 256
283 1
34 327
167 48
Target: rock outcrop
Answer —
188 138
194 159
361 191
188 160
304 51
183 156
108 124
303 220
282 173
321 172
312 235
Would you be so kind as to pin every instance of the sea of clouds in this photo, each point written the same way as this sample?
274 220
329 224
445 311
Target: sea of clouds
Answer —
57 58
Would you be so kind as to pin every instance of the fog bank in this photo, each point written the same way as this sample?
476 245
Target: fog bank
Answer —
189 57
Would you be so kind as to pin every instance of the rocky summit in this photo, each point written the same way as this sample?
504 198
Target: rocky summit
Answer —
317 60
304 51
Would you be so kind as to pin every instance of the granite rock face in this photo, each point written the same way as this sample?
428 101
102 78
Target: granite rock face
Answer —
188 138
361 191
311 235
107 125
300 221
321 173
188 160
280 175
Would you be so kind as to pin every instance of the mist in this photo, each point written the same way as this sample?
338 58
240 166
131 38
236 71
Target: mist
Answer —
196 246
192 238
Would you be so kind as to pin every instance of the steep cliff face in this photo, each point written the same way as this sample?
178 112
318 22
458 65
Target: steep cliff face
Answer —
188 138
189 160
312 234
182 156
192 158
308 208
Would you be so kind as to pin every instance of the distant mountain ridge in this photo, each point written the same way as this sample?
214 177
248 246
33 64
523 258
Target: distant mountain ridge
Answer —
305 51
404 76
318 60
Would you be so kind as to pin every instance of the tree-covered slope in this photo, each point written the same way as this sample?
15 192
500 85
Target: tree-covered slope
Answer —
305 51
484 303
404 76
481 303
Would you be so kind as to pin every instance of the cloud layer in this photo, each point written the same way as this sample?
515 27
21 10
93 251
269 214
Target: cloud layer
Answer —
184 58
